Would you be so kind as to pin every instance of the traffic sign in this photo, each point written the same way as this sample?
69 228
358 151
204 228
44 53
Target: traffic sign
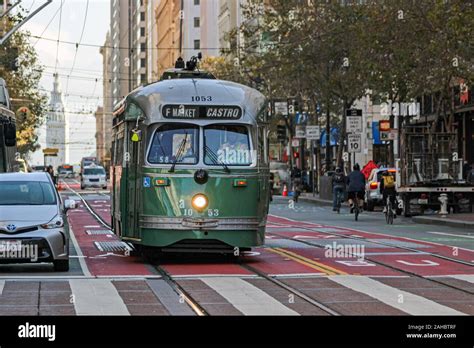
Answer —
281 107
353 120
313 132
354 112
295 142
300 132
354 142
390 135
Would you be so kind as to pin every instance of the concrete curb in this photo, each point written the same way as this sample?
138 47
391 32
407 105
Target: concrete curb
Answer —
443 221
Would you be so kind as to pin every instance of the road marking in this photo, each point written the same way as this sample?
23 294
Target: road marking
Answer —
247 298
169 298
91 226
452 234
80 255
307 262
356 230
466 277
2 285
97 297
410 303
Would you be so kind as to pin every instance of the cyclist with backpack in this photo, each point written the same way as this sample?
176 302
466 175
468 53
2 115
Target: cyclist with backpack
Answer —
338 185
387 188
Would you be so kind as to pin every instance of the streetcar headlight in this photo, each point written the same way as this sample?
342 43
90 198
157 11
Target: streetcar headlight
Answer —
199 202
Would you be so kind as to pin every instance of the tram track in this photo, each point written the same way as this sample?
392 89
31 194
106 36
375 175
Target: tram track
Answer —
186 297
313 244
200 310
179 290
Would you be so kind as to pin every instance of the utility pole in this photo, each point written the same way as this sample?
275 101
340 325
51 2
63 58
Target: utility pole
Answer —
328 126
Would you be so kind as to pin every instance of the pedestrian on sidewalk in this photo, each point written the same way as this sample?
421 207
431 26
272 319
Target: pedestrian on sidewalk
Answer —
338 185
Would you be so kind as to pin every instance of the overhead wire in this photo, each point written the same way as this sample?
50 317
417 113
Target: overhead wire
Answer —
78 44
59 33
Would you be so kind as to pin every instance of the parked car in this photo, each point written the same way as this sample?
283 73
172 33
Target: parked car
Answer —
373 196
281 172
32 220
93 176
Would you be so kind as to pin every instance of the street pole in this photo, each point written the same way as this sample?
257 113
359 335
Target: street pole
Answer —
328 138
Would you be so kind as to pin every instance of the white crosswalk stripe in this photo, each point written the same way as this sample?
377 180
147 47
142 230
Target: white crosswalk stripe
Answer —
466 277
97 297
246 297
402 300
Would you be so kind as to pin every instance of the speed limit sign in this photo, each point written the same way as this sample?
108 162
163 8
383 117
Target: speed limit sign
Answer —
354 142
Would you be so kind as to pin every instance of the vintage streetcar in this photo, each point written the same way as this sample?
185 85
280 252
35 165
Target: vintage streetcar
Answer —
190 168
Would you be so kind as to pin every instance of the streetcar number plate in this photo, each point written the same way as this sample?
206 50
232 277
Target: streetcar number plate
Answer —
216 112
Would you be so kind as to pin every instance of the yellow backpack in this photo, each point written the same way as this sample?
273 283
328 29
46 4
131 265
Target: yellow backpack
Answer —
388 181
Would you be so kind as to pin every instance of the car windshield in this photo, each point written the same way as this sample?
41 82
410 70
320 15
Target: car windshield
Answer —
26 193
226 144
94 171
171 140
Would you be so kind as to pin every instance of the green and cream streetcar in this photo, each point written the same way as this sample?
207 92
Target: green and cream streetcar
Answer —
190 164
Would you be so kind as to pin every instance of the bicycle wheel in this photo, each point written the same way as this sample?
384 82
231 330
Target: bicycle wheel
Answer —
389 212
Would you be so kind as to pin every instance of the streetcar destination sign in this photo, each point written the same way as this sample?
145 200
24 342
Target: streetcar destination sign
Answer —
217 112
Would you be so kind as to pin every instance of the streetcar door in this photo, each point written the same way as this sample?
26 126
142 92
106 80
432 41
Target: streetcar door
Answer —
133 188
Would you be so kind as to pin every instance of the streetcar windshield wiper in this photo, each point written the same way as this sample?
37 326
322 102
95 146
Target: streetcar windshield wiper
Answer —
179 153
215 159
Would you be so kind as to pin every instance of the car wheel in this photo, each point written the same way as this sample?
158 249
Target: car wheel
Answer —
61 265
104 187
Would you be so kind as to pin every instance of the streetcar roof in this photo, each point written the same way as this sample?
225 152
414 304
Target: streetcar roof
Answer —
153 97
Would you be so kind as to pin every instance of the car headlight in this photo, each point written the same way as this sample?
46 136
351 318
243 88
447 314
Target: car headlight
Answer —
55 222
199 202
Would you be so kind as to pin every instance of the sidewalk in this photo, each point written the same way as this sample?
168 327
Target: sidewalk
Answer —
453 220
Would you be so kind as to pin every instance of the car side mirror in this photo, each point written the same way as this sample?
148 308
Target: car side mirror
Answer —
69 204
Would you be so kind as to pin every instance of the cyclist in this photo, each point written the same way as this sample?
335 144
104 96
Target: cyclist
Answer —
356 186
387 188
338 185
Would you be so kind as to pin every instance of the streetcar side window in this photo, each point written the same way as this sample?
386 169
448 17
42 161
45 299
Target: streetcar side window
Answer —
227 144
175 142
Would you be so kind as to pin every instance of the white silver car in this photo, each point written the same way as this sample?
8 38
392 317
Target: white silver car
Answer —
32 220
93 176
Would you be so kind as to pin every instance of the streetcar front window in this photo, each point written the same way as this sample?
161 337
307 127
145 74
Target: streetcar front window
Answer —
227 144
175 143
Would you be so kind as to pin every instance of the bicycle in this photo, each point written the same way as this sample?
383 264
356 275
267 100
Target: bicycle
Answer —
389 211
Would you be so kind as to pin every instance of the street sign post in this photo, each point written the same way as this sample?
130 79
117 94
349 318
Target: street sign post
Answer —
354 142
313 132
281 107
300 132
295 142
354 121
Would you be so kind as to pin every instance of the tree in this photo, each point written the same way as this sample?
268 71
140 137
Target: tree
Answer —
23 86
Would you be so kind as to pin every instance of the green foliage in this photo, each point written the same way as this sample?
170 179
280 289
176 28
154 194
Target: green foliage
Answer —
23 86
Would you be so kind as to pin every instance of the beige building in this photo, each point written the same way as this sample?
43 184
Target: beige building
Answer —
168 24
230 17
104 114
